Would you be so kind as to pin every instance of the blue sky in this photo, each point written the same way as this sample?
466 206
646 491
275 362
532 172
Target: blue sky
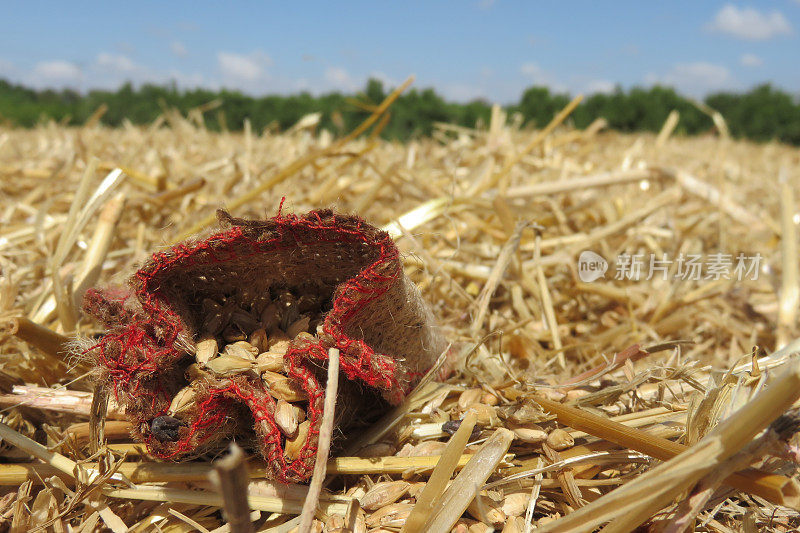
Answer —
491 49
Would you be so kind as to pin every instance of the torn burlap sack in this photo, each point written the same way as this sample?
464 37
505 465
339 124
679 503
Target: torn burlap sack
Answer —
228 337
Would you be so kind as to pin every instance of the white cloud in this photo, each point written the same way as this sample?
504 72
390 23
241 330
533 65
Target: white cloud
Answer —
339 78
599 86
574 84
56 72
243 69
178 48
460 92
387 80
749 23
751 60
186 80
6 67
695 78
116 62
107 71
532 70
539 76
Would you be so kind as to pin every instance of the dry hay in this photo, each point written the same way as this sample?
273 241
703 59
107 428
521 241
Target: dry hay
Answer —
491 222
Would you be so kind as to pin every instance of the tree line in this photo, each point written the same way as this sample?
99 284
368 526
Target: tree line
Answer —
762 114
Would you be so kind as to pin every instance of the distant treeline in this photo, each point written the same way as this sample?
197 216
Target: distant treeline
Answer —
764 113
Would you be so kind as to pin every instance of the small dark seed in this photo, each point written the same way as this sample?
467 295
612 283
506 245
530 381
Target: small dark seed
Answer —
787 424
452 426
165 428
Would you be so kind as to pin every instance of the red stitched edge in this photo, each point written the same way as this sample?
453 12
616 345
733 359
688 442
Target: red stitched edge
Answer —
153 333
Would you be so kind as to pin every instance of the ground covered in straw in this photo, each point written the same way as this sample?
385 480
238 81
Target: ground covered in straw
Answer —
552 367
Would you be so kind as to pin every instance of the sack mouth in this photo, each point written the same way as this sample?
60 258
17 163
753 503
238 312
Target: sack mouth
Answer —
237 269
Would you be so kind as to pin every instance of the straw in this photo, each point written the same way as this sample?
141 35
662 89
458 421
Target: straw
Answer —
51 344
650 362
437 483
660 485
540 136
775 488
790 279
450 505
56 460
499 268
305 160
325 433
230 478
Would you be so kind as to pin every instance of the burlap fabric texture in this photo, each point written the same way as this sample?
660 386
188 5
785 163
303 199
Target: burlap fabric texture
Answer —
342 273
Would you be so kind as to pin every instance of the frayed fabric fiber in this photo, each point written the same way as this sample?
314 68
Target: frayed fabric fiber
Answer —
227 337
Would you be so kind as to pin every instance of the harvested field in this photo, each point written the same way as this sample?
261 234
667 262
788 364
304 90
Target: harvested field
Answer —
573 393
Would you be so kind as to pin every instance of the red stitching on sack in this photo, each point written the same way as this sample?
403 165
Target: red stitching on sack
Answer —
136 353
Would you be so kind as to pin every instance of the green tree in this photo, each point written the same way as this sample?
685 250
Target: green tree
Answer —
764 113
761 114
538 106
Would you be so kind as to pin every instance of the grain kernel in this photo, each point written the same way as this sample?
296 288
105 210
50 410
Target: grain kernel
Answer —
182 400
298 326
285 418
487 509
293 446
228 365
282 387
490 399
259 339
486 414
469 397
384 493
558 439
242 349
206 349
271 361
270 317
530 435
393 514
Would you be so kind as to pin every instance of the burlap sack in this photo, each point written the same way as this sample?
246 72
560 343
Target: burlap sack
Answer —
345 272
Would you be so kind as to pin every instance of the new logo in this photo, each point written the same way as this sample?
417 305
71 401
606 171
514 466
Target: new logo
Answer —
591 266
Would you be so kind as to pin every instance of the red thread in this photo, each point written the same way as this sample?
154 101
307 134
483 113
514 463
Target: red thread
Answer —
141 348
